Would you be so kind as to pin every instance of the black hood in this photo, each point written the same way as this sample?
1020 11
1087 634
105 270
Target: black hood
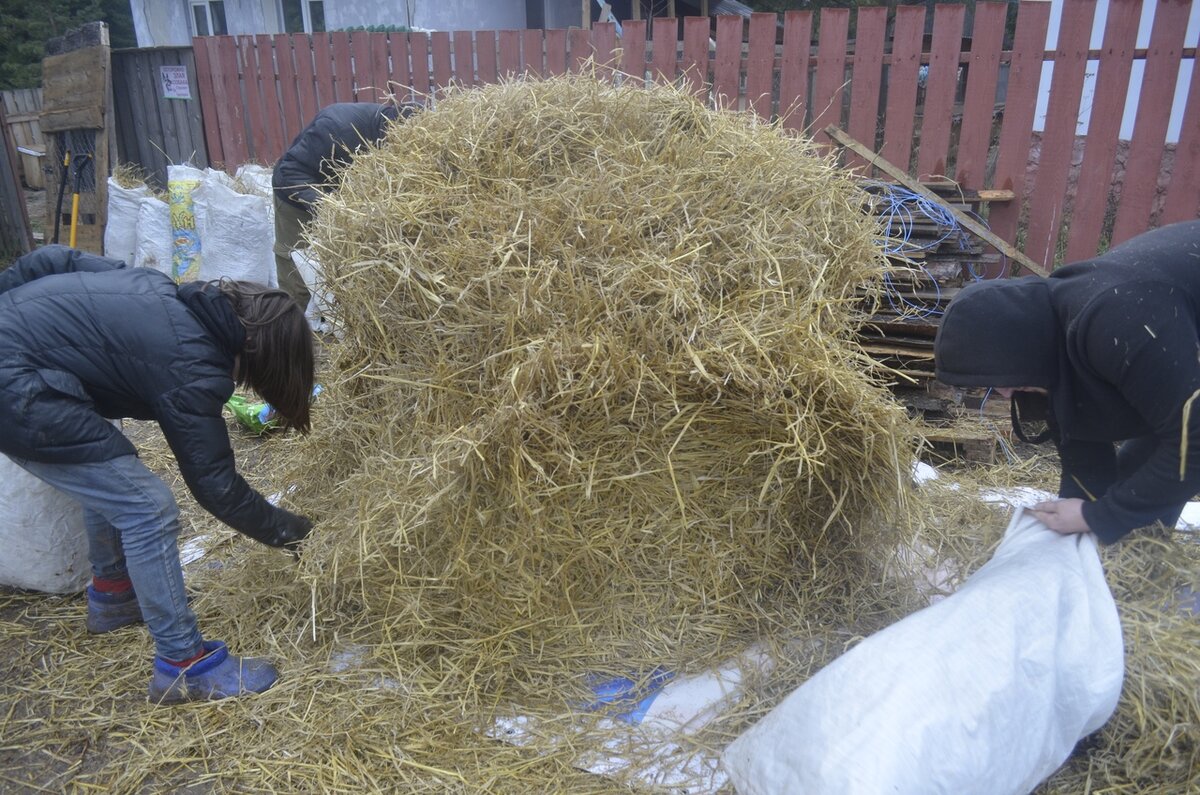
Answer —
215 312
1000 333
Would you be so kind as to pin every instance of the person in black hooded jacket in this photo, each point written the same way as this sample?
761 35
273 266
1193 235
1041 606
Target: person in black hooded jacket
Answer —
1106 350
312 165
85 340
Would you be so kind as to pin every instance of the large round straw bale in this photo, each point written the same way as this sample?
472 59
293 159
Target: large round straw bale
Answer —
598 393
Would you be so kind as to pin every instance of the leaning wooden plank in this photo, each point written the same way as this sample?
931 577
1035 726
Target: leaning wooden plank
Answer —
967 221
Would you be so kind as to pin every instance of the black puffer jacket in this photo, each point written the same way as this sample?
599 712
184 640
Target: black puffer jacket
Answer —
327 145
1116 342
83 339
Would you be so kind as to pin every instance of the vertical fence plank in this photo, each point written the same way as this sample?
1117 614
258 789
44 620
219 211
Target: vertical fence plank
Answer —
633 59
362 68
144 101
695 55
418 45
902 73
1150 123
1183 192
343 77
1020 101
256 107
509 55
727 66
533 53
1058 141
485 56
129 149
934 150
443 67
323 69
1104 126
983 70
556 52
604 49
831 71
289 97
275 141
208 97
400 68
228 94
793 69
306 78
192 112
871 28
665 61
760 64
463 58
580 44
286 85
389 67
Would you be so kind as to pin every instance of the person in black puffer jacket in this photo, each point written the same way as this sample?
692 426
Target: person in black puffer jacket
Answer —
312 165
1105 350
85 340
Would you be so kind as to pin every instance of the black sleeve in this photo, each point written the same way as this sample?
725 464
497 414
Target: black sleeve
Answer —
192 424
50 260
1146 346
1089 469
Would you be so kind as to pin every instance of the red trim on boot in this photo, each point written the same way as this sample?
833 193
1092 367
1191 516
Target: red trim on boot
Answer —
112 586
185 663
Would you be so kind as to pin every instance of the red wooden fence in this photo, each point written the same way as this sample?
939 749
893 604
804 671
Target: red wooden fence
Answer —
933 110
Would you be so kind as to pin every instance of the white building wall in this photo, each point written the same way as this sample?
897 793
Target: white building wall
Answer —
162 23
427 14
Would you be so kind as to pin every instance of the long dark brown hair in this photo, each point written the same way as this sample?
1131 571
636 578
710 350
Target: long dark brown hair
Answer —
277 359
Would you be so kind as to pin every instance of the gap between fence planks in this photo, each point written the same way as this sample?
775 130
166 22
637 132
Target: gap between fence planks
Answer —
967 221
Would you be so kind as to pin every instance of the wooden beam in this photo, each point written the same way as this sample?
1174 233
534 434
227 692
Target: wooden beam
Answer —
969 223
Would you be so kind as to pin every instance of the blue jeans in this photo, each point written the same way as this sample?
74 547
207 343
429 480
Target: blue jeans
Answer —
132 525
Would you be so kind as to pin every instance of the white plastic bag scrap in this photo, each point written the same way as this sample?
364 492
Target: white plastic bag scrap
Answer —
986 691
153 247
236 232
43 544
320 306
120 230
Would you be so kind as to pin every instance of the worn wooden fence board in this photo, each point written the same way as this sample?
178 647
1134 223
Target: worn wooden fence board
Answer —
1048 199
22 107
1153 115
15 237
1092 192
979 104
902 74
1016 132
928 104
940 89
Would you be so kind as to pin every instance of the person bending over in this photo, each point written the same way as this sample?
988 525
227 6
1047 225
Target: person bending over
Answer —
85 340
1105 351
313 164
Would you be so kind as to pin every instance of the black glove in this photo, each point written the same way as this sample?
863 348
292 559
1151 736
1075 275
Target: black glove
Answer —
290 532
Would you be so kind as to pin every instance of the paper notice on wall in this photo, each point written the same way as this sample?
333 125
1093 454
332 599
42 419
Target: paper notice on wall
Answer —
174 81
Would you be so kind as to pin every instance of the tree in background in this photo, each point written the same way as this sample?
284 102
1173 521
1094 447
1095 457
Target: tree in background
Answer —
26 26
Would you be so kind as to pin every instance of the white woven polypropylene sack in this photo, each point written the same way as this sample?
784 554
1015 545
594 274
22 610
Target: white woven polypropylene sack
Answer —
986 691
43 544
153 248
236 232
120 229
